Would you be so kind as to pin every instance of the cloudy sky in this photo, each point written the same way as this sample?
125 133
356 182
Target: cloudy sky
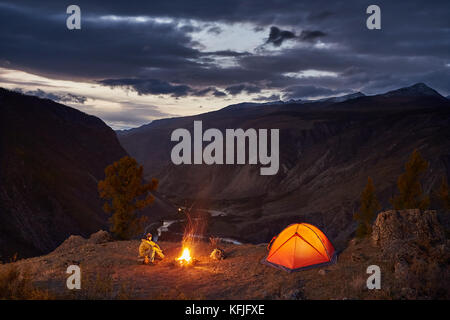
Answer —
135 61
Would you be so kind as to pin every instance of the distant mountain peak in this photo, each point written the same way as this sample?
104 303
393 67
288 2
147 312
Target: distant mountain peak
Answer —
345 97
418 89
355 95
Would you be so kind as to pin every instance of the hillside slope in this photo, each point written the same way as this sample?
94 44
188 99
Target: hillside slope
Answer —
51 159
408 246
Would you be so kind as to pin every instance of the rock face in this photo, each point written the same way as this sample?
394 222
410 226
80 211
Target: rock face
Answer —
75 241
406 225
72 242
99 237
413 242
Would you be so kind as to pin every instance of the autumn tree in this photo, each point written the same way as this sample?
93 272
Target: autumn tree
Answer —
367 211
443 194
410 190
126 193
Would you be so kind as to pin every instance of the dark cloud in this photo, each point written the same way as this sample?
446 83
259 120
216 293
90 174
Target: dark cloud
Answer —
208 91
159 87
256 11
311 35
219 94
318 16
278 36
236 89
58 97
215 30
204 92
298 92
154 57
148 86
226 53
273 97
103 48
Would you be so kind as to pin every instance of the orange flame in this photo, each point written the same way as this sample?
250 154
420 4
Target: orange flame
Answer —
185 257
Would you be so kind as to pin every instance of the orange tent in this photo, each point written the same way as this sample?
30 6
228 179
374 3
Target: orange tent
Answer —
300 246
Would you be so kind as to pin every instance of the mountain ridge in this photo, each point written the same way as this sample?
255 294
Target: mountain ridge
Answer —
418 89
327 150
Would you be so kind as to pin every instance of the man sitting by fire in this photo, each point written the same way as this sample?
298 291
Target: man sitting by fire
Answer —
149 249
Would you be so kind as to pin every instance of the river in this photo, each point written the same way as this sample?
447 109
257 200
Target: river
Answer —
214 213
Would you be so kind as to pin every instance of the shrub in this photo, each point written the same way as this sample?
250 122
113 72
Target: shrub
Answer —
367 211
410 190
17 285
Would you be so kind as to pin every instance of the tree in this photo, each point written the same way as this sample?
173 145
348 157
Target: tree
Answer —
411 195
443 194
126 193
367 211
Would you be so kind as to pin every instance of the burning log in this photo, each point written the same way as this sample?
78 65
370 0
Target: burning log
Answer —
186 259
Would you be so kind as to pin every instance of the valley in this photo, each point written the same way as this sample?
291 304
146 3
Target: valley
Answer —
327 151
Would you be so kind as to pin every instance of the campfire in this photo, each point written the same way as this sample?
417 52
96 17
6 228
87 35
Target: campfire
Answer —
185 258
191 229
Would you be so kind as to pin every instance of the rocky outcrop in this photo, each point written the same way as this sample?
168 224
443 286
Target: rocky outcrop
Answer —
75 241
72 242
407 225
413 242
99 237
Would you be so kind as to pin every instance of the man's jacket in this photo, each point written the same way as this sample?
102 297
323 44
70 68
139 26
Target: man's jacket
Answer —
146 246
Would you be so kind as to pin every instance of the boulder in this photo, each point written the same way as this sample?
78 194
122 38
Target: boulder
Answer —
413 242
407 225
100 237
